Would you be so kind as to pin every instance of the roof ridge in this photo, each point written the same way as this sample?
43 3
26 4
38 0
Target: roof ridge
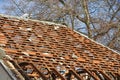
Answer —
35 20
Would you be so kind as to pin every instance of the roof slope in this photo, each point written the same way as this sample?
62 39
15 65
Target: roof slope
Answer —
46 50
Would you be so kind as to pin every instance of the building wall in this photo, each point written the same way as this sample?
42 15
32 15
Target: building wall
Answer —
3 74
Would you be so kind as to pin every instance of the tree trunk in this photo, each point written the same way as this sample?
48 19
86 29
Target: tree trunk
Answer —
87 17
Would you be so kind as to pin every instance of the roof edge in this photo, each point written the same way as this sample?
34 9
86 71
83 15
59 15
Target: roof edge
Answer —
97 42
6 69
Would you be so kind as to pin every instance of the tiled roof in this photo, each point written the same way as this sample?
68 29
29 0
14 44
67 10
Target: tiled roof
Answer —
45 50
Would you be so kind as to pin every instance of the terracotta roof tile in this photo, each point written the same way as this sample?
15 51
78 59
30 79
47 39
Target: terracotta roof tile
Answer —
47 50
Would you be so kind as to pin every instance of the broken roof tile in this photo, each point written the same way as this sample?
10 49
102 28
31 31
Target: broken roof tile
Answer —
35 45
